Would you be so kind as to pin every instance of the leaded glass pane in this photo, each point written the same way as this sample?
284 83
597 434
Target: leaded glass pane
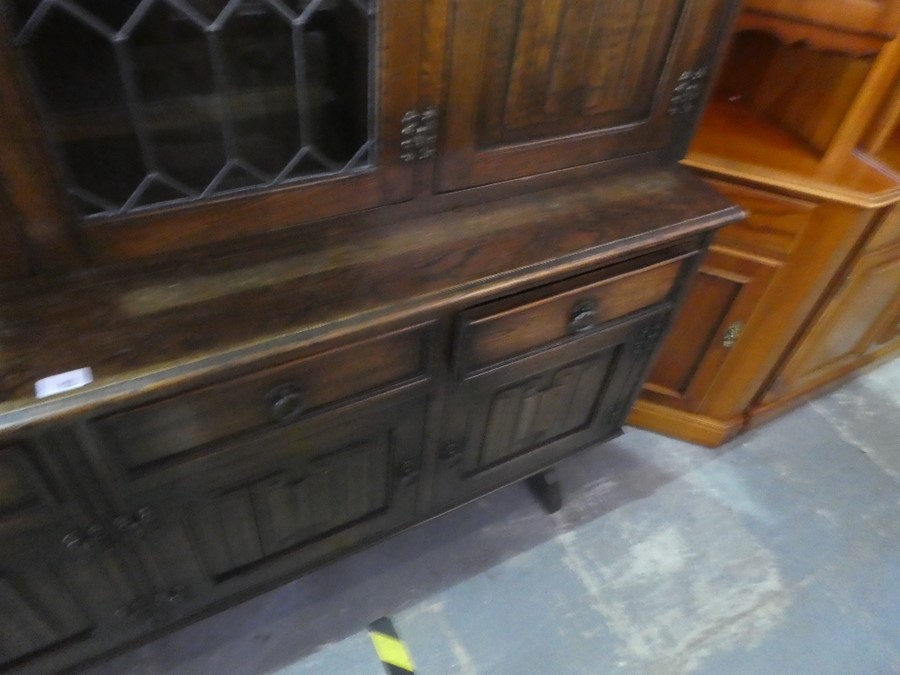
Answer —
151 102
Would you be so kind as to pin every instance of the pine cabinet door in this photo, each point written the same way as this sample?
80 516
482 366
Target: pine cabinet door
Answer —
727 290
860 319
539 85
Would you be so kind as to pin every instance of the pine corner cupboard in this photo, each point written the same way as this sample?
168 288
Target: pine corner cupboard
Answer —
801 132
334 266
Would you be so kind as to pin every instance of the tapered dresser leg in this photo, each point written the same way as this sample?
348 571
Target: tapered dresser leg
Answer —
545 487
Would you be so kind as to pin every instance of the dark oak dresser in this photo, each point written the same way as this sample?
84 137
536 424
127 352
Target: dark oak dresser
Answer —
279 278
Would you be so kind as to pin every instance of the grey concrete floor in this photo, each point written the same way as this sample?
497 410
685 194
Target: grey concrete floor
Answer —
776 554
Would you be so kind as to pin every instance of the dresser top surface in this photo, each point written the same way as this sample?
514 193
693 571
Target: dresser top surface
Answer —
143 333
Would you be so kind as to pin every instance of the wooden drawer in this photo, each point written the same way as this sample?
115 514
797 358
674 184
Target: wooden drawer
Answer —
774 223
159 431
524 323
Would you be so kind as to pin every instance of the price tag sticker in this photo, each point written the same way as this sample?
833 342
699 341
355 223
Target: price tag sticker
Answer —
57 384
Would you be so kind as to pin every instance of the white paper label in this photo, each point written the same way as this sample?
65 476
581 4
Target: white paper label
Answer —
57 384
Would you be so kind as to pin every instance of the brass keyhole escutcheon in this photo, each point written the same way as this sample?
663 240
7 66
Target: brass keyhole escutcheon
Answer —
732 334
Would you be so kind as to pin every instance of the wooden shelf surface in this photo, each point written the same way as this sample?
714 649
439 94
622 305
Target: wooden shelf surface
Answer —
735 142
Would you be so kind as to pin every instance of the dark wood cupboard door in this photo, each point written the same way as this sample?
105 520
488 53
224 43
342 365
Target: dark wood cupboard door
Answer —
236 513
509 421
539 85
61 580
710 327
178 124
14 263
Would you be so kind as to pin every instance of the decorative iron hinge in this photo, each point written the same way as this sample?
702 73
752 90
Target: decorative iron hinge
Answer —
687 92
154 609
98 538
418 135
614 416
648 338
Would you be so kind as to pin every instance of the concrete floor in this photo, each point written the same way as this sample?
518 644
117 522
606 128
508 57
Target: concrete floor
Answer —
776 554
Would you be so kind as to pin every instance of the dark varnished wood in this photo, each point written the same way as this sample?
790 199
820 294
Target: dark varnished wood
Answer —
58 585
508 328
509 422
14 256
345 475
133 330
533 96
547 490
158 432
31 195
165 230
268 397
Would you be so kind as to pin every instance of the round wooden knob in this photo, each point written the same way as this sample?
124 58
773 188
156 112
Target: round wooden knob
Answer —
583 317
285 403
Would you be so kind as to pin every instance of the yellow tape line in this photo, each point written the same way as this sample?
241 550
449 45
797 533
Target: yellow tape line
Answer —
391 650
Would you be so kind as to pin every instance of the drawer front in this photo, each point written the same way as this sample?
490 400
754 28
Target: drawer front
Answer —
161 431
774 223
514 326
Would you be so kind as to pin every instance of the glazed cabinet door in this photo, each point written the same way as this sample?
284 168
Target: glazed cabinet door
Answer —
514 419
540 85
172 124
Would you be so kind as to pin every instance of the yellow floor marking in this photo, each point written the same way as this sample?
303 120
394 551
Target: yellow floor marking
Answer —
391 650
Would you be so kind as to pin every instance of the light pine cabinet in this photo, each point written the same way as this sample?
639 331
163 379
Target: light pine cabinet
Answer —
857 323
801 132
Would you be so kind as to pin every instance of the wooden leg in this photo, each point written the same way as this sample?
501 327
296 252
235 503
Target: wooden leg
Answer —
545 487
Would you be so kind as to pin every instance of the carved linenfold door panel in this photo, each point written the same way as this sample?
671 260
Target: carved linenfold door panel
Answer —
537 85
508 421
61 580
608 58
297 503
233 513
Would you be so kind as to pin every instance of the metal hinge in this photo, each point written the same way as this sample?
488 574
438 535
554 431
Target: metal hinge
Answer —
418 135
687 92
